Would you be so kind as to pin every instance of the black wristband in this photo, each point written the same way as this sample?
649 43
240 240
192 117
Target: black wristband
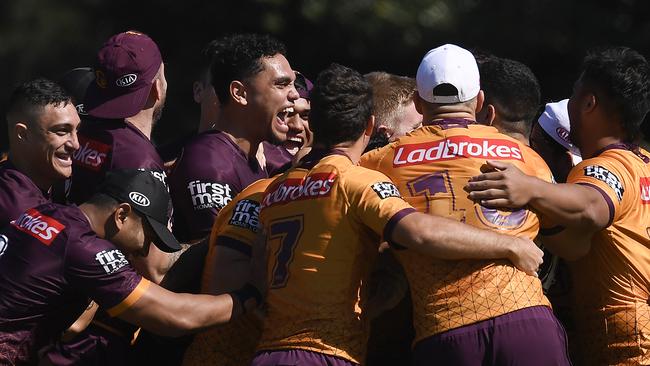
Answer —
551 230
245 293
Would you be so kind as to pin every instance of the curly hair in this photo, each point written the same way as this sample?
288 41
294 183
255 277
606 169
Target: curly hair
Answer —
28 99
621 74
239 57
341 105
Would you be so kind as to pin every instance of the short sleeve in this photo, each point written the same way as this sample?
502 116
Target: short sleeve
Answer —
199 191
376 201
603 176
100 270
241 225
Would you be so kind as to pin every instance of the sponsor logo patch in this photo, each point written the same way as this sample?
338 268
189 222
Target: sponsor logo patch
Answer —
246 215
609 178
126 80
4 242
91 154
313 186
645 190
456 147
111 260
44 228
139 199
385 190
209 194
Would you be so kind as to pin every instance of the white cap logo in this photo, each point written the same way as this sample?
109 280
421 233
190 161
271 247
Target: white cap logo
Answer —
126 80
139 199
3 244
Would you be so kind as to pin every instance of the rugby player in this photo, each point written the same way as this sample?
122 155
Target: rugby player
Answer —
254 83
54 258
393 107
512 96
324 220
603 205
299 136
123 104
42 127
472 311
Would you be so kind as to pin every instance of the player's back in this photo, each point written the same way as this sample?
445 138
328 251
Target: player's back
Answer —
431 165
321 240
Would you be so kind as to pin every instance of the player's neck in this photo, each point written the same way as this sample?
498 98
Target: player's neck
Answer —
239 133
591 148
96 218
142 121
24 167
441 115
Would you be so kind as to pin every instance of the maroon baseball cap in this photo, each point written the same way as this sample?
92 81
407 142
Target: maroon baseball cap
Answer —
126 66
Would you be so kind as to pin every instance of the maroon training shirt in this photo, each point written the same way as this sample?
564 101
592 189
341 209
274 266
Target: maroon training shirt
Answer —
17 193
51 265
211 171
106 145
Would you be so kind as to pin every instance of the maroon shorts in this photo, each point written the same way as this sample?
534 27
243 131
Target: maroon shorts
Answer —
297 357
530 337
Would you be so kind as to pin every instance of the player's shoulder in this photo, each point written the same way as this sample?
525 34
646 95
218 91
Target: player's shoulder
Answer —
375 157
536 164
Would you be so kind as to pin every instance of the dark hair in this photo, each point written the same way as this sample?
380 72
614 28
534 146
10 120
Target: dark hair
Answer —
512 88
204 61
341 104
622 75
239 58
29 98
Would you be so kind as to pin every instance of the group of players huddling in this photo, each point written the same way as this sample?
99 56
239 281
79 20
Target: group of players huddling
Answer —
373 220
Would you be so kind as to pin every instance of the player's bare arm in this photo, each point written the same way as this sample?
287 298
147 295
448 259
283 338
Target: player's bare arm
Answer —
170 314
449 239
573 205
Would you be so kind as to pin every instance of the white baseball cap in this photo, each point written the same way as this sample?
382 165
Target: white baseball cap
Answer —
555 122
448 64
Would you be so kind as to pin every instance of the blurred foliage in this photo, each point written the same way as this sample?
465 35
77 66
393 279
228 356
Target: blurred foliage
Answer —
48 37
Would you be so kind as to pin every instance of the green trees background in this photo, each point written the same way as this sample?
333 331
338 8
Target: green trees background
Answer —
47 37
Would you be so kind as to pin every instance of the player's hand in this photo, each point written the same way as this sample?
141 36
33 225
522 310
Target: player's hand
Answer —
502 186
526 255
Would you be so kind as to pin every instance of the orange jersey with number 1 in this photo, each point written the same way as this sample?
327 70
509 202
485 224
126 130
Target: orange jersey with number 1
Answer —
431 166
612 282
236 227
323 221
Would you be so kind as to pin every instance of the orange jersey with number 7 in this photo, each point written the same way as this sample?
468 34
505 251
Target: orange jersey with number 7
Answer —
431 165
324 220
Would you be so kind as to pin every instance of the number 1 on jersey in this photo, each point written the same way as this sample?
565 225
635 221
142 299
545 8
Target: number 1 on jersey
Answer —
288 231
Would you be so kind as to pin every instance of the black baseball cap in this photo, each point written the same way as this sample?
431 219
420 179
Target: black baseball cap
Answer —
148 195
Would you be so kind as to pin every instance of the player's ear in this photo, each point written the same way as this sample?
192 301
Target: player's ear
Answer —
238 92
197 91
370 126
491 114
480 99
20 131
417 101
590 103
121 214
385 130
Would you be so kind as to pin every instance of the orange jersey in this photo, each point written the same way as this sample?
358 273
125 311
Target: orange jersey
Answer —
612 282
236 227
431 166
324 220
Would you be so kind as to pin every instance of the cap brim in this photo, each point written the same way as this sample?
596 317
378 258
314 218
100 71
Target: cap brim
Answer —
166 240
101 104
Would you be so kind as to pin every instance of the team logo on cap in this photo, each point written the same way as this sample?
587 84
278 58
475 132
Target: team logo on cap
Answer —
3 244
126 80
100 79
563 134
139 199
